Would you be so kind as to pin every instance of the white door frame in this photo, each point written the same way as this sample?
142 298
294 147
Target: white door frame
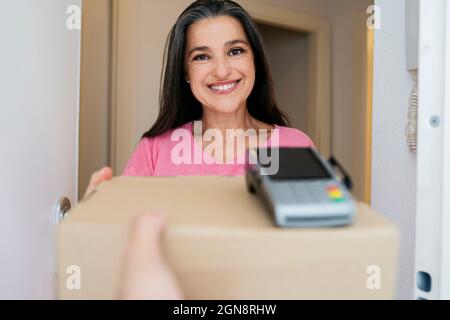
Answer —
433 154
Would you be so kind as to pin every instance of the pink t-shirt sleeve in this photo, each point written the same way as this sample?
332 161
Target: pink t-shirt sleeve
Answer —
140 163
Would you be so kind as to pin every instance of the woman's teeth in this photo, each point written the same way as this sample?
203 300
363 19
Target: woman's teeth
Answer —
225 87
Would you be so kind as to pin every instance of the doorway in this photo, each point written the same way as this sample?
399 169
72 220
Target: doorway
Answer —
288 56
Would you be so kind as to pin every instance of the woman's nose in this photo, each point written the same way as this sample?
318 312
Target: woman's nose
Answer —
221 68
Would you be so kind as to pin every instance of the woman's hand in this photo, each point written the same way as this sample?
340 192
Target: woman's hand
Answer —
98 177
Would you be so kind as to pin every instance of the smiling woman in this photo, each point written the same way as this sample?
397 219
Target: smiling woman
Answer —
215 43
222 73
215 71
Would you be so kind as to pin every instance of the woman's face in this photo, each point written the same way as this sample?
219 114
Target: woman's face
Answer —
219 64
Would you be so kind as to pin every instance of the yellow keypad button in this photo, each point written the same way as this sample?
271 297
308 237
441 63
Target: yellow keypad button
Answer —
335 194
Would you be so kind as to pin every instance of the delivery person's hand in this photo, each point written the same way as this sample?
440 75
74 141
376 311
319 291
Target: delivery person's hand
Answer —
98 177
145 274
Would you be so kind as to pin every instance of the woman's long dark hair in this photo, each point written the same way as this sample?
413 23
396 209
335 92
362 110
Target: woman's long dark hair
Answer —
177 103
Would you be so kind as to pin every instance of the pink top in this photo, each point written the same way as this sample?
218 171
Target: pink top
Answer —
154 156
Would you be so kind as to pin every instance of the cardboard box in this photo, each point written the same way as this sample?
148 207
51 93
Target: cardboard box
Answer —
222 244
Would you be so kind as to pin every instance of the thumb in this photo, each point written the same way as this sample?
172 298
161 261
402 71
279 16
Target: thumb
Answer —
146 234
106 173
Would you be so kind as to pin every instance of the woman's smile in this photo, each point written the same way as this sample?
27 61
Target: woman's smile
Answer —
223 88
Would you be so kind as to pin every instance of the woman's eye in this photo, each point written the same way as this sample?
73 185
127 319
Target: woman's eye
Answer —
201 57
236 51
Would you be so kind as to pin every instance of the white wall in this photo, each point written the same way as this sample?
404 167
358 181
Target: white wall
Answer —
39 91
393 167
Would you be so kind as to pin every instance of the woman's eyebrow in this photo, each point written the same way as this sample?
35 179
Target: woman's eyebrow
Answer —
227 44
202 48
234 42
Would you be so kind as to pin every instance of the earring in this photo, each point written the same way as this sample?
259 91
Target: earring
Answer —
187 81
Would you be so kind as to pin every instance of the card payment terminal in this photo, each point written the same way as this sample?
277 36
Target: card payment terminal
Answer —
305 191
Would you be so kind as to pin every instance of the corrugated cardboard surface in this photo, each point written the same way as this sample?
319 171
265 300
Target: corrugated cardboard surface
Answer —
222 244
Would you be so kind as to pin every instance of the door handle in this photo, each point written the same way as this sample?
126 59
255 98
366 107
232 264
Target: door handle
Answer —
62 208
